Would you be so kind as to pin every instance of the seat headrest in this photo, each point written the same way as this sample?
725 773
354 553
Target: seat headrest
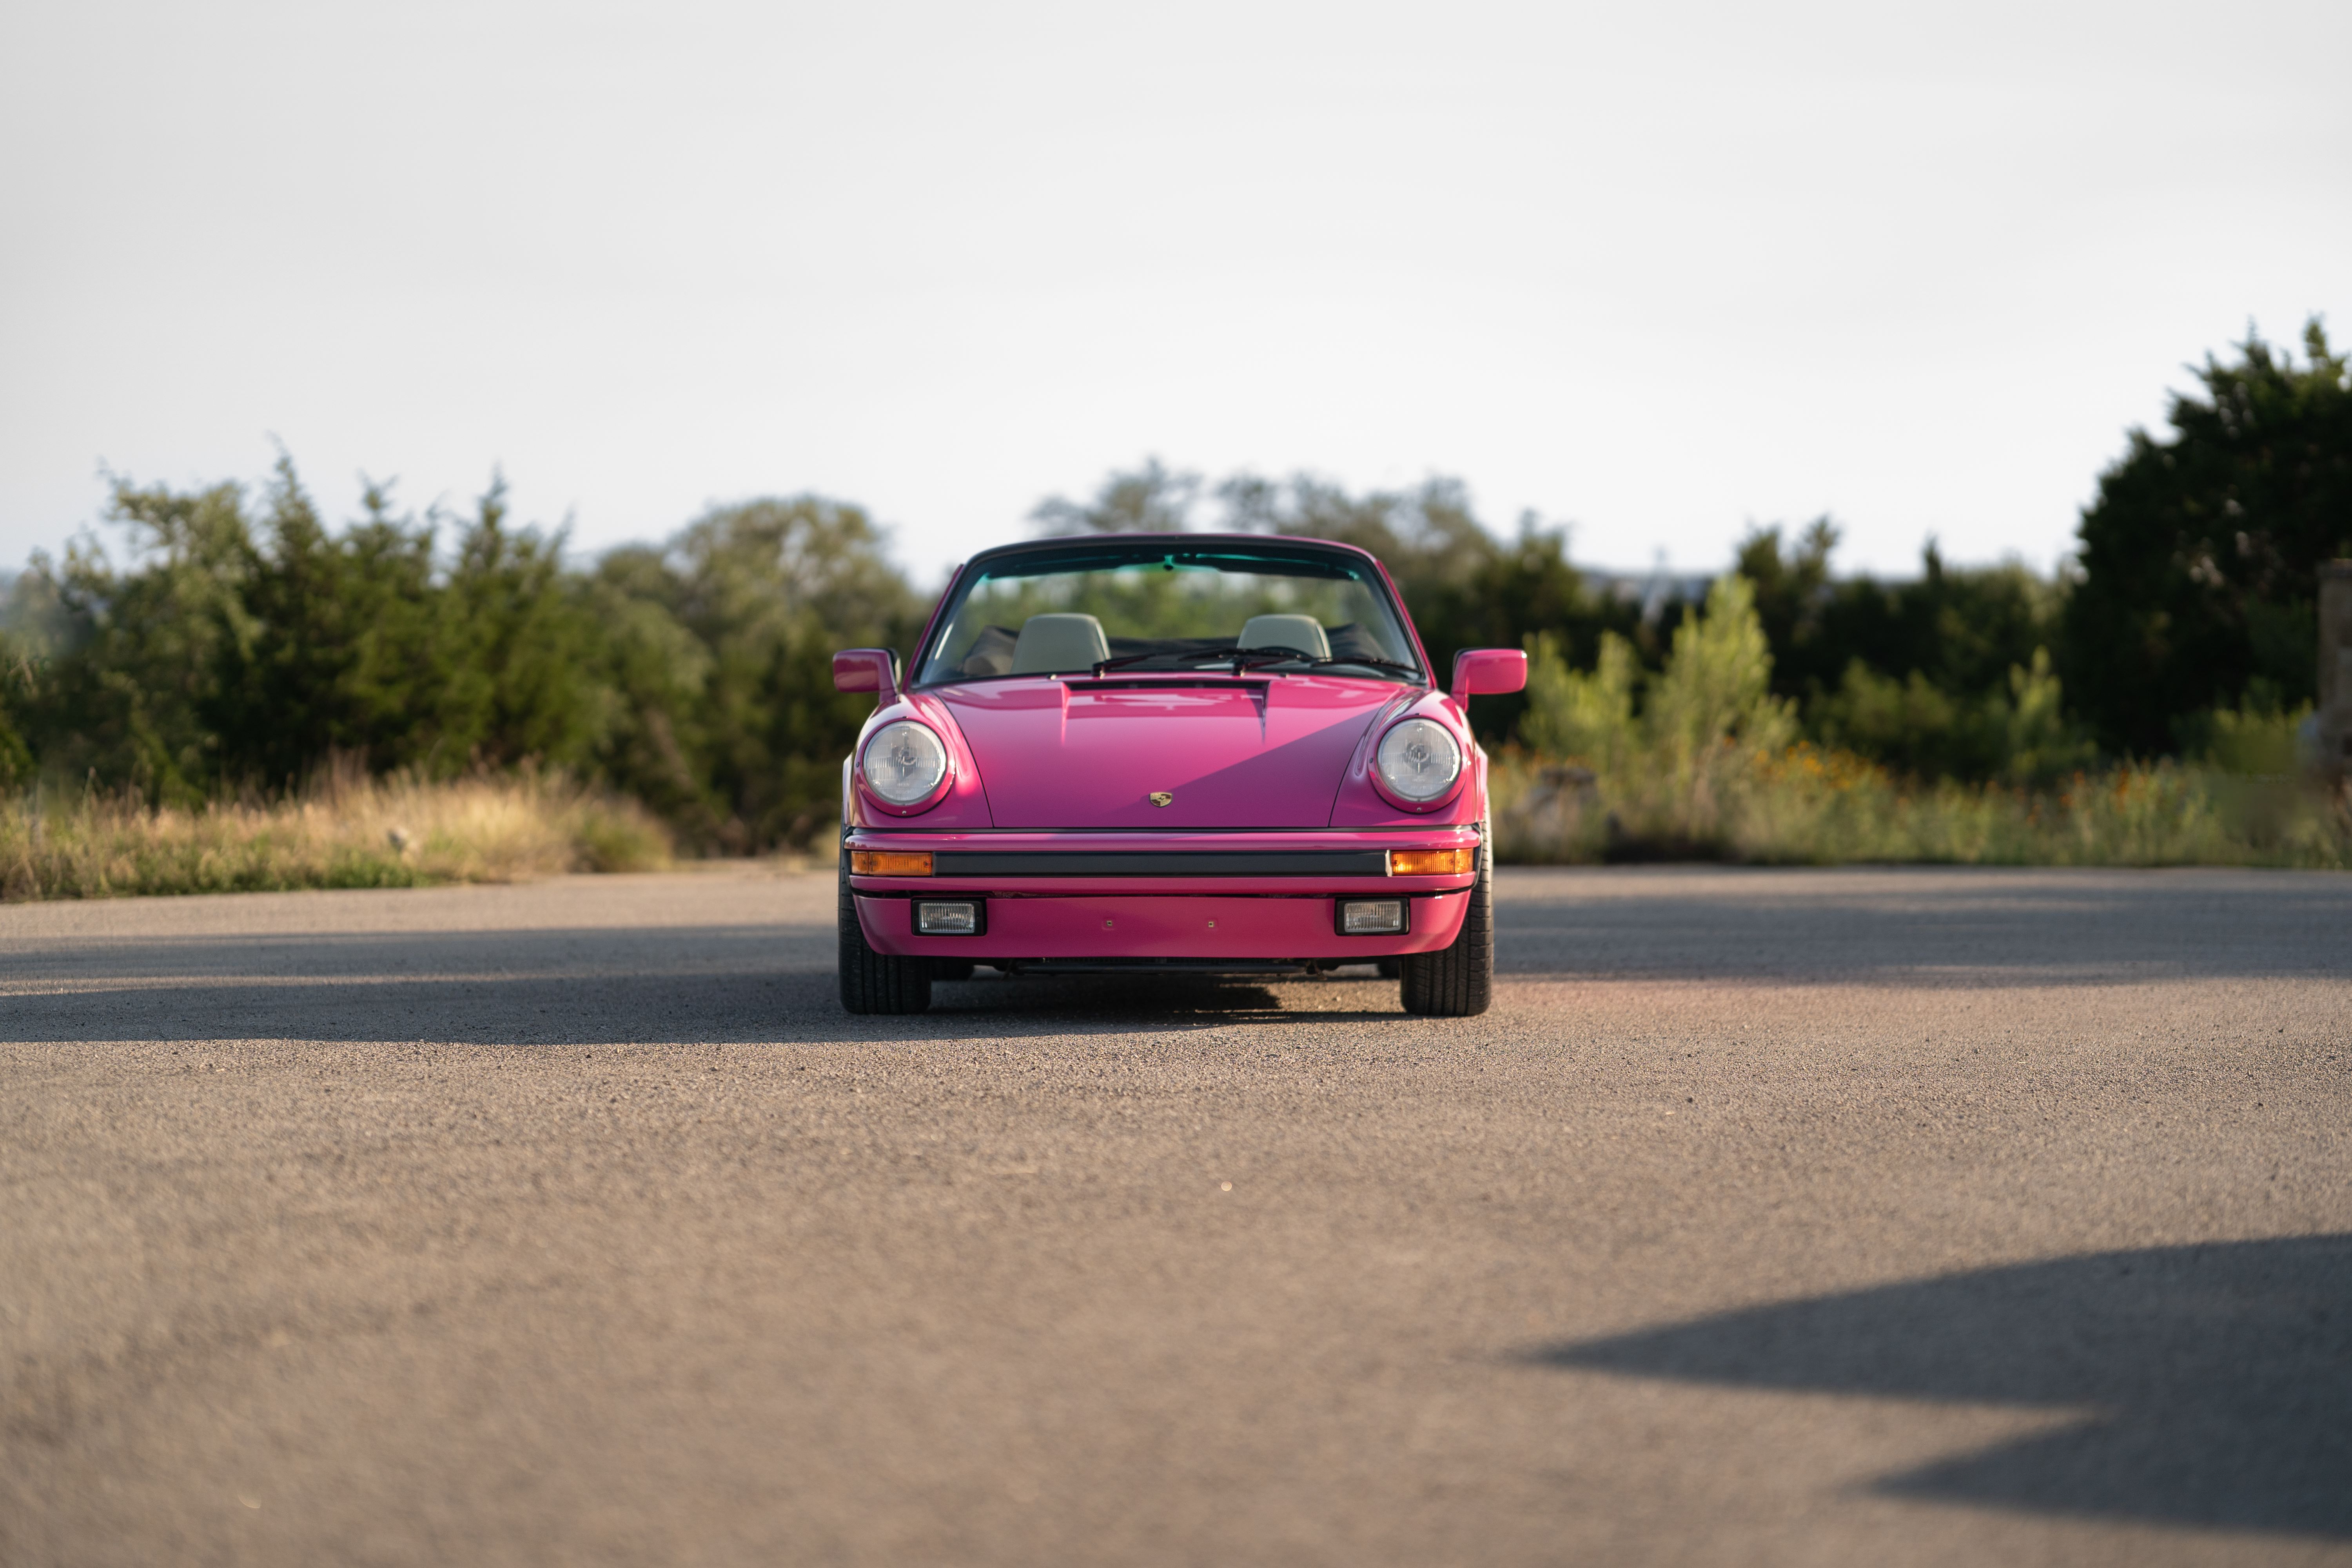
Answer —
1050 645
1304 633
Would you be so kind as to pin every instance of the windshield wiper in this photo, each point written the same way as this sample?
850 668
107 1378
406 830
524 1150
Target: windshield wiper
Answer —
1373 663
1249 657
1236 657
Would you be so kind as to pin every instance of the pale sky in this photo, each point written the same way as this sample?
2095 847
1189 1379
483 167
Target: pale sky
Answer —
1655 271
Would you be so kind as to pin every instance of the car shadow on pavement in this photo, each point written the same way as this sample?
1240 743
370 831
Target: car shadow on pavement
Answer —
2214 1381
709 985
1142 998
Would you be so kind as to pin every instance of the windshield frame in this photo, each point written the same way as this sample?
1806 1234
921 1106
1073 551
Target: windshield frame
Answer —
1352 561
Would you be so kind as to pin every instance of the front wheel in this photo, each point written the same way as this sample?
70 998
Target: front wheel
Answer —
875 982
1459 981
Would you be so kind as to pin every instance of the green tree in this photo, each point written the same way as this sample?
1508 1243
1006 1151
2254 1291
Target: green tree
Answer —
1922 675
134 692
1580 714
743 738
2198 557
343 652
1716 685
654 675
1701 719
19 677
232 653
1795 597
520 650
1962 628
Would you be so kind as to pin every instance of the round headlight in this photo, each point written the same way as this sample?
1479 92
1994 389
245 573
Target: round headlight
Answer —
1419 760
905 763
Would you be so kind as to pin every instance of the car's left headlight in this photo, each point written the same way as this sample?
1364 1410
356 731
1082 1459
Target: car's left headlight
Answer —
1419 761
905 763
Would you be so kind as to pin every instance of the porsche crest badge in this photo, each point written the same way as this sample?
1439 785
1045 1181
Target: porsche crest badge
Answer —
1163 797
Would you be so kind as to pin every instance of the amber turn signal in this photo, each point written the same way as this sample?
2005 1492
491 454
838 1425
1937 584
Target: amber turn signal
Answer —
890 862
1429 862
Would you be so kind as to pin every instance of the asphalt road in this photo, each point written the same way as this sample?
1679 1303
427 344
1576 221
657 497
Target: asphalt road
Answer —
1770 1217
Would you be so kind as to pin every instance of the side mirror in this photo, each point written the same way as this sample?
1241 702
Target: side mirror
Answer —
1488 672
873 669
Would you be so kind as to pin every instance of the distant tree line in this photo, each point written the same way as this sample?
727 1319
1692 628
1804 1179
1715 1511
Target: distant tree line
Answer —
243 646
241 642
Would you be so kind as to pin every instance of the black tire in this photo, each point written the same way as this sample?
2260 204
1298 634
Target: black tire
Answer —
1457 981
875 982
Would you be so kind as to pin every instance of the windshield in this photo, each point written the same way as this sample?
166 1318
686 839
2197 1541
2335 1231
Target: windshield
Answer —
1149 607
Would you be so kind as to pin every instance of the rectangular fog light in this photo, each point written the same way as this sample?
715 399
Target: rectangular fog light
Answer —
964 916
1372 917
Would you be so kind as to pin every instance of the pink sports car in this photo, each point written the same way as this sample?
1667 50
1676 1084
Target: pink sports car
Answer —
1220 753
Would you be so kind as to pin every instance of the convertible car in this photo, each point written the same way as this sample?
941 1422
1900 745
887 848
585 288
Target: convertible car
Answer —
1222 753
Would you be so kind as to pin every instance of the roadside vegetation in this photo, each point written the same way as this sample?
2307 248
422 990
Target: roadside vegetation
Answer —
174 689
343 832
1701 761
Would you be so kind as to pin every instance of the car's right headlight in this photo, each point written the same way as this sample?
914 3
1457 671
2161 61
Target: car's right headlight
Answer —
1419 760
905 763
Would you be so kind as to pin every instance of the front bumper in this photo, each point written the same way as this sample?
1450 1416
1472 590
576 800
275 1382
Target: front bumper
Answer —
1252 897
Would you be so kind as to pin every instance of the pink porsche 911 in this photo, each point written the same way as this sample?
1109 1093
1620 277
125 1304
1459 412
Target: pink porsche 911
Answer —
1216 753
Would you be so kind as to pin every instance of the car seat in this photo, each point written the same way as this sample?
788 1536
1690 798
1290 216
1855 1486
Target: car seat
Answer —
1051 644
1304 633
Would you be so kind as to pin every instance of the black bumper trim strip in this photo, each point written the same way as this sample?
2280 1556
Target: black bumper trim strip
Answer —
1160 863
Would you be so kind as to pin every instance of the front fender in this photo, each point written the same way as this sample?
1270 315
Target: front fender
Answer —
965 804
1360 804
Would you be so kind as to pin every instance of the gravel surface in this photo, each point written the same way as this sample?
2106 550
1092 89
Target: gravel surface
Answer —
1770 1217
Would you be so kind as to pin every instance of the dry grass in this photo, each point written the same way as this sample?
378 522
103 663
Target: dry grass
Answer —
344 832
1803 805
1798 805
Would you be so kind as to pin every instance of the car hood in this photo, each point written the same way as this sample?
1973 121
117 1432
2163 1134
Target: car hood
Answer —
1257 752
